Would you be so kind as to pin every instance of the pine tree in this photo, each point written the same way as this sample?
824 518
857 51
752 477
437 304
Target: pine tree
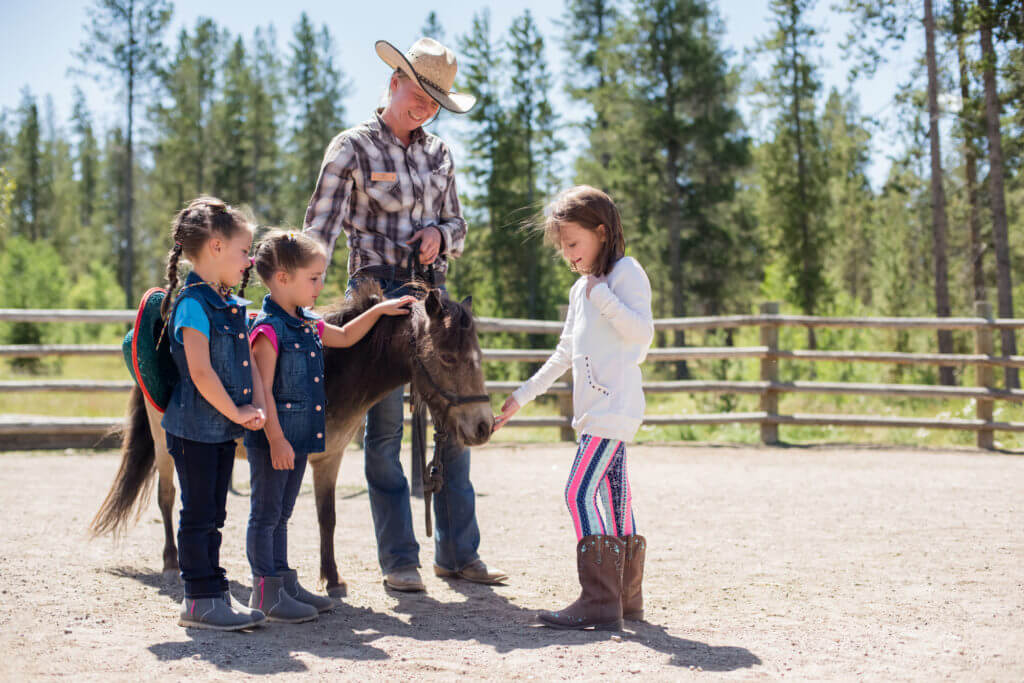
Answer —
480 63
988 19
231 168
316 88
123 43
32 192
588 42
265 109
850 213
86 161
532 147
183 118
877 24
793 168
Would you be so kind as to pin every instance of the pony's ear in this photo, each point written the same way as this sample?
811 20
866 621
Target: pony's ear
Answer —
433 303
467 303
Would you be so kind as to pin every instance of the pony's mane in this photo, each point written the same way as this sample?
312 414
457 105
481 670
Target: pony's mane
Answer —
365 296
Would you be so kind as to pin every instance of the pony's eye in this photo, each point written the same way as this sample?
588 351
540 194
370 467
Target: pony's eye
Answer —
448 358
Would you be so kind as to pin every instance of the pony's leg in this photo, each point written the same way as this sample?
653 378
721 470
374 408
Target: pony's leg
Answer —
325 476
165 493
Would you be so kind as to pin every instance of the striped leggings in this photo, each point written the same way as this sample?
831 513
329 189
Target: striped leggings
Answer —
600 467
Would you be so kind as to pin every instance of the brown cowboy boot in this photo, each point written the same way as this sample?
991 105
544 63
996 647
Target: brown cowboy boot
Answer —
599 562
633 578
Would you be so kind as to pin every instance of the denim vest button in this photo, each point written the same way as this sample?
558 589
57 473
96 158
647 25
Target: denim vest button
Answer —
319 435
318 408
234 310
241 335
245 363
296 344
246 390
287 405
313 354
316 379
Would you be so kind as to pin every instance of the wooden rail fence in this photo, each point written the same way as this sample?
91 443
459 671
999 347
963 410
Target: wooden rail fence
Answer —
21 431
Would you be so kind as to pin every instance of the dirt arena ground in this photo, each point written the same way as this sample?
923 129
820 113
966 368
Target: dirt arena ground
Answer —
822 563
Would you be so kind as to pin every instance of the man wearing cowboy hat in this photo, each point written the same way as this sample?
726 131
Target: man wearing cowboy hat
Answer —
389 185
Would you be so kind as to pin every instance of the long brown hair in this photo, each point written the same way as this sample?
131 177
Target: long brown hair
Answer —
193 227
589 208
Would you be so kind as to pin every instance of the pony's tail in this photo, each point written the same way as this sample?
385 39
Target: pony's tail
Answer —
134 481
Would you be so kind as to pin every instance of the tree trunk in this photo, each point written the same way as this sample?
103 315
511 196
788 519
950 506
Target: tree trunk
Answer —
997 199
801 174
975 246
942 307
129 233
675 226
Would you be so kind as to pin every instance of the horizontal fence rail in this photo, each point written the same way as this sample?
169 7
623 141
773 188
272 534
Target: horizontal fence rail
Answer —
18 430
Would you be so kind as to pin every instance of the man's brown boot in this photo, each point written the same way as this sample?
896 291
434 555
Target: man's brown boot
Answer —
599 561
633 578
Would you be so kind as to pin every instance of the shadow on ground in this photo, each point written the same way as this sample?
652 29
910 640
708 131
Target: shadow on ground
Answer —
484 616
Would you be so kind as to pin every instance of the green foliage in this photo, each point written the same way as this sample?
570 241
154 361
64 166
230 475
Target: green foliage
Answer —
316 89
32 275
793 164
95 288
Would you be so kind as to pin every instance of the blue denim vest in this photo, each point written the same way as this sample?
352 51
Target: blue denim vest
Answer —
188 414
299 394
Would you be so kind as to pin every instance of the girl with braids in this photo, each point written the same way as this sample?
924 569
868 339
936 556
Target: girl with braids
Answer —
218 397
287 345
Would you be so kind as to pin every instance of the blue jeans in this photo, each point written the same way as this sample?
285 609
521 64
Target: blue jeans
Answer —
456 534
272 496
204 474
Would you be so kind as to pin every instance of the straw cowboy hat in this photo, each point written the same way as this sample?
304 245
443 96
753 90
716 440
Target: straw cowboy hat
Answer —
433 66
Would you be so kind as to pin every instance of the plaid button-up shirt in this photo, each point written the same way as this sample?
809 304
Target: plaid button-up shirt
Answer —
381 192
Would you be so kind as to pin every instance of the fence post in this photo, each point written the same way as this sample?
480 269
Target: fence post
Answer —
565 400
983 345
770 373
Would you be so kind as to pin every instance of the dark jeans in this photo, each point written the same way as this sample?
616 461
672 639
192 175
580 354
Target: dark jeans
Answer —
273 493
456 534
204 474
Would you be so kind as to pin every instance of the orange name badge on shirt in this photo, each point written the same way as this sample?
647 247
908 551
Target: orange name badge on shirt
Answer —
382 177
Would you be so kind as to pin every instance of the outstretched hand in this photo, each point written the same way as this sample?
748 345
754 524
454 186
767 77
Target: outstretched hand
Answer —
508 409
399 306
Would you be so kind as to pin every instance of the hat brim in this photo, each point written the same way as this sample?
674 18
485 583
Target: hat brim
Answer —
147 351
457 103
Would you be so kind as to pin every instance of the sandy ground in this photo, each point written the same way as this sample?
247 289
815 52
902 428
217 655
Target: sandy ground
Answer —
801 563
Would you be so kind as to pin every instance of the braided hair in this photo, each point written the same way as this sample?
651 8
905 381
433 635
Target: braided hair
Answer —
193 227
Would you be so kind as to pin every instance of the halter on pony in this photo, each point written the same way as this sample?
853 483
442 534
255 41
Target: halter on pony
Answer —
432 475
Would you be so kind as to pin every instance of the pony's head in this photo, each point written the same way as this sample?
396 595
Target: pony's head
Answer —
448 369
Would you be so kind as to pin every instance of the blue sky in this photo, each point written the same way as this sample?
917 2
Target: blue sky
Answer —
37 40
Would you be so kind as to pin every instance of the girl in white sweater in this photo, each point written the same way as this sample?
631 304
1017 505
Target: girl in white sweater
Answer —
607 332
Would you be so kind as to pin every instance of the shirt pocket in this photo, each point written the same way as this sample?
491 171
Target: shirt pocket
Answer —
224 343
382 186
293 371
586 374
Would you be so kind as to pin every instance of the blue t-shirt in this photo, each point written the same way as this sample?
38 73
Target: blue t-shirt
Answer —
190 313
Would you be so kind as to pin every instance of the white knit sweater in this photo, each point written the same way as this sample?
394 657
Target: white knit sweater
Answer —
604 341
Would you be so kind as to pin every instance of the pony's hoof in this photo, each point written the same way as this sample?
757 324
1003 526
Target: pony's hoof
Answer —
339 591
171 576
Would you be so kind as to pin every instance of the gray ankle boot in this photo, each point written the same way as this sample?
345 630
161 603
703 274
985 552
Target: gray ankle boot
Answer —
214 613
269 596
257 615
291 585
